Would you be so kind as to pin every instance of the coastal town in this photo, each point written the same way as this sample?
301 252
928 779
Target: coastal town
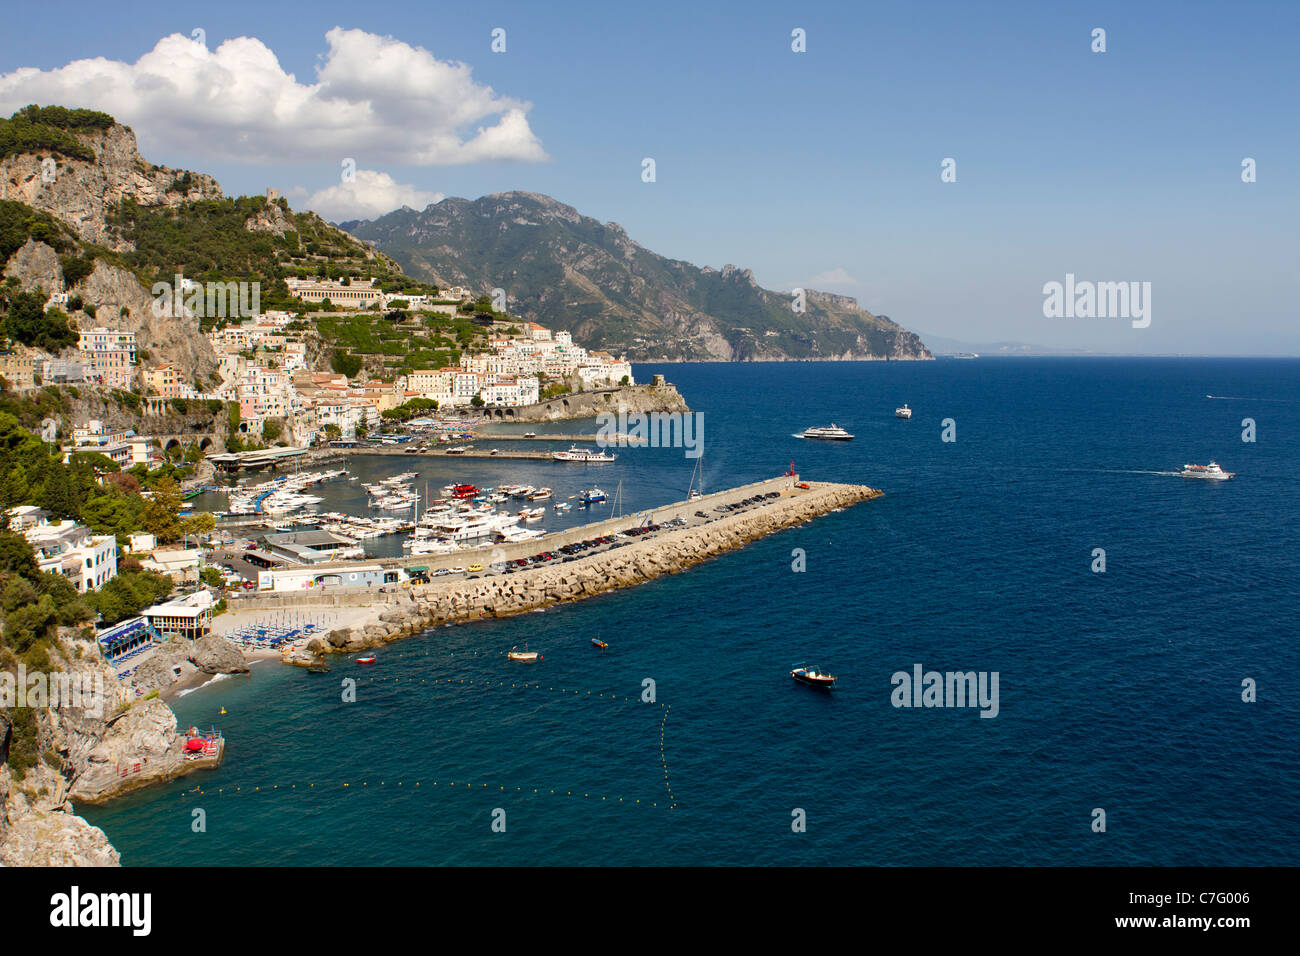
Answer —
264 370
293 456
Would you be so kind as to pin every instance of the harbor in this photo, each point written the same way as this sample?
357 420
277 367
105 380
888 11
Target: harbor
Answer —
603 556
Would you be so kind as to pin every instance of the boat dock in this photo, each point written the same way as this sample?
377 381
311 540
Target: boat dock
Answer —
709 526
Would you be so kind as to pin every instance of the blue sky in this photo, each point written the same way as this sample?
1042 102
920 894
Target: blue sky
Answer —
818 168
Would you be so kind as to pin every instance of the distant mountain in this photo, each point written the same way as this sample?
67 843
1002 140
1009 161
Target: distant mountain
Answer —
946 346
569 271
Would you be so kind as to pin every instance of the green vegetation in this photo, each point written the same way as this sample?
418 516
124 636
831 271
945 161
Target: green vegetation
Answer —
25 320
206 240
412 409
345 364
434 341
20 222
38 130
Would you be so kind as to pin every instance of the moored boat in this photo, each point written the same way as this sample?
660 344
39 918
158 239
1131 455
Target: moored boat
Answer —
813 676
582 455
903 412
526 656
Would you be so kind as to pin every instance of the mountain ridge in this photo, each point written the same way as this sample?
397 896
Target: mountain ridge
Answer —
565 270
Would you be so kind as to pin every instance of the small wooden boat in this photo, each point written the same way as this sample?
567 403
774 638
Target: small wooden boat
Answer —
813 676
597 642
368 659
527 656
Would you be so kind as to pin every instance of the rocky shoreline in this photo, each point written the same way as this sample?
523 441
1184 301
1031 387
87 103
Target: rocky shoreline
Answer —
128 741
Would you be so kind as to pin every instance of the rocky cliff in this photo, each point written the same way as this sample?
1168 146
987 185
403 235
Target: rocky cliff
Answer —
631 398
122 303
92 754
81 192
569 271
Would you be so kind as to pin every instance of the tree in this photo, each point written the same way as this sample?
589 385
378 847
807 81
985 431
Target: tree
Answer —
27 322
17 556
198 525
160 512
345 363
57 496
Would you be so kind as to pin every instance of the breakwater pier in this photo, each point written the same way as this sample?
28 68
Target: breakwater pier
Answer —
513 579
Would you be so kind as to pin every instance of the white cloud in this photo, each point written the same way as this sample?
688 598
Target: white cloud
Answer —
375 98
369 195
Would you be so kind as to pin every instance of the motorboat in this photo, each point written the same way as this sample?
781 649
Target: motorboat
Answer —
813 676
1210 472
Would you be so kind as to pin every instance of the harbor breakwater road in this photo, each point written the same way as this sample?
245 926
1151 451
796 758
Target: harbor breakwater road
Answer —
401 612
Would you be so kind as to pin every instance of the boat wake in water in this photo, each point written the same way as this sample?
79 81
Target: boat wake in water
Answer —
1242 398
1127 471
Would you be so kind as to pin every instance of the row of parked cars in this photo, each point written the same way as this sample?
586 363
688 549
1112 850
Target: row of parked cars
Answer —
737 505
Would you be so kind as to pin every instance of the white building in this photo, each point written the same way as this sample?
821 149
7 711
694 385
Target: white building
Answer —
69 549
189 617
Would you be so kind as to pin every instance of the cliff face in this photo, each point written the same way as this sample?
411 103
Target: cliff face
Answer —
121 303
82 192
124 304
634 398
83 752
569 271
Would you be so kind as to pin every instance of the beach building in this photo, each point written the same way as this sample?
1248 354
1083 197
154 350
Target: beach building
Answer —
188 617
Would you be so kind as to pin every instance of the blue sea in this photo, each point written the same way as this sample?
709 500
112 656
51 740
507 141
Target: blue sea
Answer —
1120 690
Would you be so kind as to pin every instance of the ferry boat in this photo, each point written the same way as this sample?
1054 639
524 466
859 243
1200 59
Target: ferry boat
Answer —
813 676
593 495
903 412
831 432
582 454
1210 472
525 655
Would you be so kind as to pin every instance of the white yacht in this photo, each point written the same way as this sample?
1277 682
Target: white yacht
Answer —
582 454
1210 472
903 412
831 432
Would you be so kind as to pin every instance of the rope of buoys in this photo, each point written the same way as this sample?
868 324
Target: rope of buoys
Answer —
663 757
672 805
385 784
465 681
